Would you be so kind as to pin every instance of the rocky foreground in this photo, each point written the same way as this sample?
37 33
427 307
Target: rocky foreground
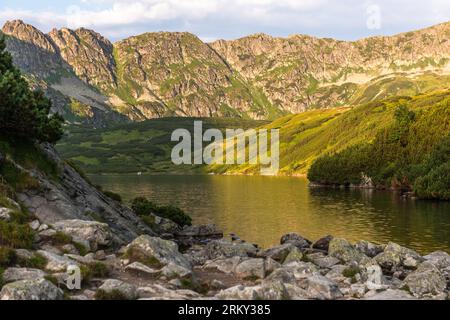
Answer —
211 267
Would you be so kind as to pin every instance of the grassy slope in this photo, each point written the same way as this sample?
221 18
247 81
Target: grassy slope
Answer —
304 137
307 136
135 147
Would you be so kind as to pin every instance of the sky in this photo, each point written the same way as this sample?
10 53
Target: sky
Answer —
231 19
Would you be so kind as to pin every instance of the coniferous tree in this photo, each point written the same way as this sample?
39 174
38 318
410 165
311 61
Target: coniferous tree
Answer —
24 113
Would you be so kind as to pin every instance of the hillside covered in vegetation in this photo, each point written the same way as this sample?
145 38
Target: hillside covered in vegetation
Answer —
400 142
136 147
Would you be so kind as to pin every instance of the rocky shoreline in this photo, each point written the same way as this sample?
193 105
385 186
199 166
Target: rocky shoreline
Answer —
211 267
70 228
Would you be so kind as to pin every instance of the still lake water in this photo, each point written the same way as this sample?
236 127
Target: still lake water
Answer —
262 209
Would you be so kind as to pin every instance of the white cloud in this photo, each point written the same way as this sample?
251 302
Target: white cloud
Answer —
232 18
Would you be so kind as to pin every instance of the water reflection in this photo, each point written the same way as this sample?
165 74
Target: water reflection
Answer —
261 209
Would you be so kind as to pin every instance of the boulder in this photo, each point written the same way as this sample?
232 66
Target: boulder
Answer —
24 254
18 274
164 226
337 272
323 243
427 279
295 255
225 248
322 261
158 292
156 252
35 224
251 268
278 253
297 240
292 272
283 275
70 249
357 290
395 256
38 289
321 288
301 270
128 291
389 294
95 233
345 252
271 265
227 265
273 290
374 275
369 249
141 269
176 271
56 263
439 259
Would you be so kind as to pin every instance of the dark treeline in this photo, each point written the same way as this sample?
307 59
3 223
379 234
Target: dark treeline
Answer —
412 154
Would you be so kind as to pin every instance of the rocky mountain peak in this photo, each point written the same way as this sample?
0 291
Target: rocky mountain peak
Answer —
88 53
27 33
259 76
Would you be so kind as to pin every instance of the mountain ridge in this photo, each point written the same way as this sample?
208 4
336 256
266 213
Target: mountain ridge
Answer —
158 74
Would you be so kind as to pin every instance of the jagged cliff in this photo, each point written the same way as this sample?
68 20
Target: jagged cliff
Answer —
260 77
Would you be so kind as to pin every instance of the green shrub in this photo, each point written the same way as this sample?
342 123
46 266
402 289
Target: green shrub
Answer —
37 261
94 270
113 195
351 272
97 270
2 282
60 239
82 250
16 235
143 207
434 185
18 179
52 279
24 113
8 257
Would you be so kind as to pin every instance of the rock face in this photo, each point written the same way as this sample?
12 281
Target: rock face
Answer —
40 289
72 198
88 53
66 64
259 76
